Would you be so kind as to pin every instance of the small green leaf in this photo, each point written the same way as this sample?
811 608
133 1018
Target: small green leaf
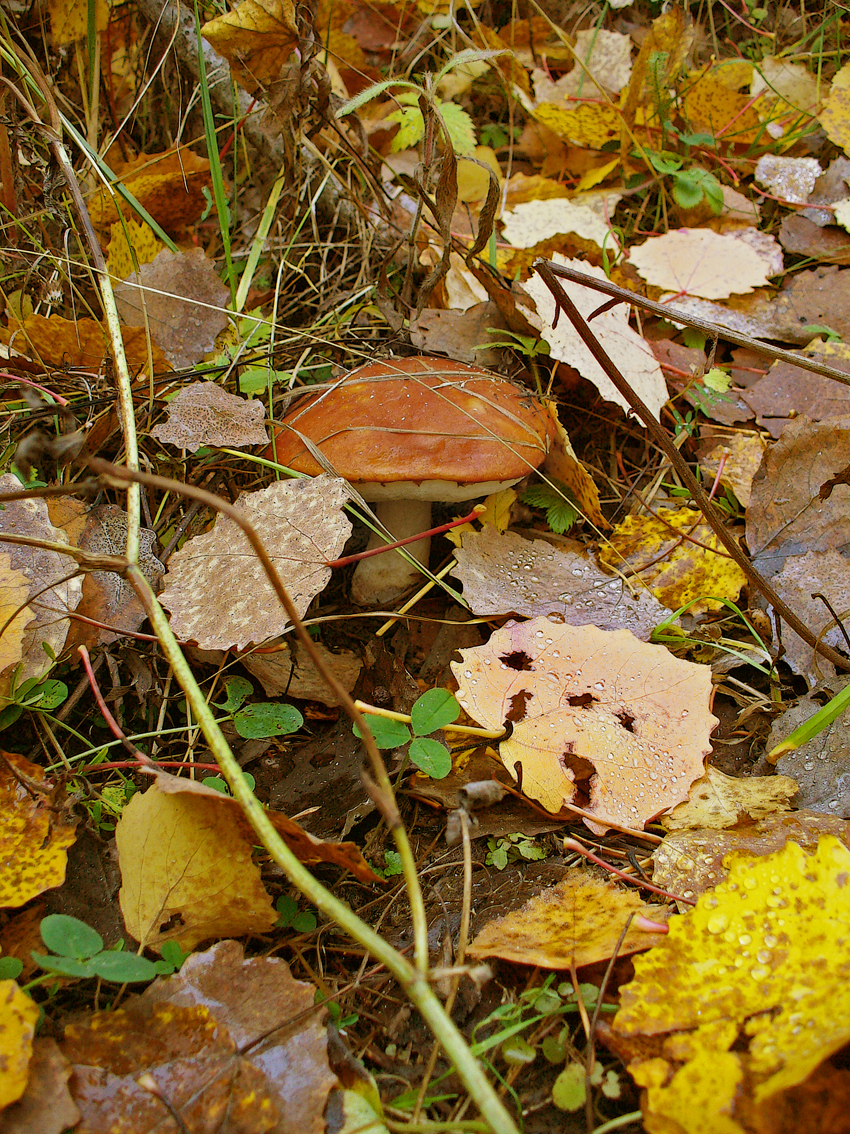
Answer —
517 1051
366 96
687 190
554 1049
460 126
387 732
435 709
664 162
431 757
393 863
217 783
70 937
63 966
9 715
237 690
123 967
717 380
10 968
569 1091
52 694
266 719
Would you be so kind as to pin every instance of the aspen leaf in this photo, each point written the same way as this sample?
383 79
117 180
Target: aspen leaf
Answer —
18 1016
717 801
256 37
14 613
600 719
698 261
205 414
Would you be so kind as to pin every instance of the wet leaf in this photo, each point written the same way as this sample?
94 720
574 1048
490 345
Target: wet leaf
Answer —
15 615
46 1106
717 801
600 719
820 767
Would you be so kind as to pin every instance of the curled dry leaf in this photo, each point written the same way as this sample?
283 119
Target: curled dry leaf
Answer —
216 588
719 801
502 573
205 414
600 719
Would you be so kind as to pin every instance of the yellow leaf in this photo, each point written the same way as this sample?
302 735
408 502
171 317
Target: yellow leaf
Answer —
587 124
169 185
764 957
497 511
579 921
713 108
562 464
123 236
717 801
835 116
14 613
677 556
256 38
18 1015
33 838
69 20
187 871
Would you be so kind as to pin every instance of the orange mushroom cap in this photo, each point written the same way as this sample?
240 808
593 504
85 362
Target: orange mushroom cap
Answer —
411 420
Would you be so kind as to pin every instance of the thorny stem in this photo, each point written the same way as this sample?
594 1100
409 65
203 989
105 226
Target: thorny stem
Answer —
549 272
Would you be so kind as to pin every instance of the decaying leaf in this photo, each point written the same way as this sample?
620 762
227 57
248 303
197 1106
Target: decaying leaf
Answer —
18 1017
58 342
790 178
678 556
184 300
502 573
169 185
717 801
697 261
821 767
600 719
625 346
690 862
737 973
216 588
786 516
578 922
835 116
182 858
34 839
15 615
46 1106
107 597
741 454
205 414
537 221
820 297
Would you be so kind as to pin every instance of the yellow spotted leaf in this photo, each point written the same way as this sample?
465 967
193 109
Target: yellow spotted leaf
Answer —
677 556
717 801
835 116
69 20
126 235
34 839
18 1016
580 921
15 615
590 125
714 108
765 956
170 185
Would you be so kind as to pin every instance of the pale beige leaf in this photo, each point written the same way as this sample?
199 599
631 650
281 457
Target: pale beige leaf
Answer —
700 262
216 588
533 222
205 414
187 870
718 801
625 346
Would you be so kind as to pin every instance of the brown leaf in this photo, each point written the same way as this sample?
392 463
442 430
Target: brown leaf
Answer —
506 574
821 297
170 185
60 343
821 767
46 1106
257 38
282 675
107 597
785 516
216 588
205 414
828 573
184 300
829 244
787 391
578 922
600 719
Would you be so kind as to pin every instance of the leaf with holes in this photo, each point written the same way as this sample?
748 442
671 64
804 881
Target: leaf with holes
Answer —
600 720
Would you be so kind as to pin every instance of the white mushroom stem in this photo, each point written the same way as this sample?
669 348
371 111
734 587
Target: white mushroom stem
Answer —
381 580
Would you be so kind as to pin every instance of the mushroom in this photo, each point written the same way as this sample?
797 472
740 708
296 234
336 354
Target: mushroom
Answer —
406 433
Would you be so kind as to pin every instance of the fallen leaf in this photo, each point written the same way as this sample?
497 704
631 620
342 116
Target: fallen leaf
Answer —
35 837
741 454
755 934
677 555
256 37
625 346
717 801
835 116
53 593
463 335
692 861
785 516
282 675
182 858
791 179
700 262
829 572
821 767
18 1017
829 188
184 300
793 94
562 464
762 315
131 243
820 297
206 414
68 22
506 574
171 186
578 922
46 1106
56 343
714 107
106 596
536 221
216 588
588 124
15 615
600 719
271 1019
